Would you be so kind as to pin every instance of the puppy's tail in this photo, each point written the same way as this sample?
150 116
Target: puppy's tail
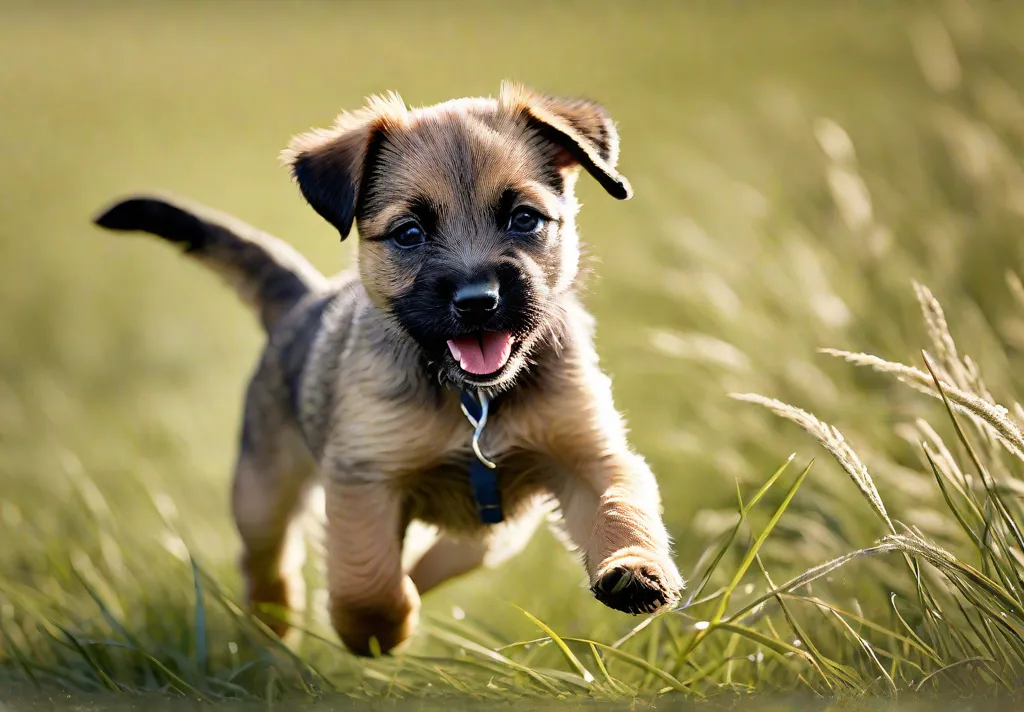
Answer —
267 273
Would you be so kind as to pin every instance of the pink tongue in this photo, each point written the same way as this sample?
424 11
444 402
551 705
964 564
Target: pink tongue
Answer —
482 354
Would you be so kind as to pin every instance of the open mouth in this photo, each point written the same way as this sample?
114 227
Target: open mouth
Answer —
482 353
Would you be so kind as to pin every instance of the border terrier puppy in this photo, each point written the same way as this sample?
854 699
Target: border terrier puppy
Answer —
463 306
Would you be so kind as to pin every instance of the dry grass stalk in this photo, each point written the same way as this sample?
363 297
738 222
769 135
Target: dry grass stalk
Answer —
938 331
833 441
995 416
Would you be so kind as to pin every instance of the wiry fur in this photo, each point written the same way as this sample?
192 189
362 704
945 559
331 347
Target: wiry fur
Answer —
356 390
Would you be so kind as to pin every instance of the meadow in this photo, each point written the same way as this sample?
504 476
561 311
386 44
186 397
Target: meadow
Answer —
807 176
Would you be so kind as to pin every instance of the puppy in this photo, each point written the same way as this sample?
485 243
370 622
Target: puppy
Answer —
450 379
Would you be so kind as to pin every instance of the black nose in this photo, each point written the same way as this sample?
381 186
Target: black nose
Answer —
476 301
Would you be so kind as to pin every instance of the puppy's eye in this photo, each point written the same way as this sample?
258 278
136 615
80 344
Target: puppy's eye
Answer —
525 221
408 235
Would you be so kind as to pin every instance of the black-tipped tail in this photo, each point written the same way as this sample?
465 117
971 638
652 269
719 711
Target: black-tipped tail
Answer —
267 272
157 217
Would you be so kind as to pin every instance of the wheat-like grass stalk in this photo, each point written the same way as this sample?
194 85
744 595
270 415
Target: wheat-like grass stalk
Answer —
961 370
953 567
995 416
755 609
833 441
938 332
935 448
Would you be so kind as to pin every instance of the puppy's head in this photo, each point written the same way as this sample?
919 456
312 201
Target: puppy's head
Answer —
466 216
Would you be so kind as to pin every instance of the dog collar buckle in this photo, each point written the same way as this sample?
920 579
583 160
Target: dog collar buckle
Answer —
483 475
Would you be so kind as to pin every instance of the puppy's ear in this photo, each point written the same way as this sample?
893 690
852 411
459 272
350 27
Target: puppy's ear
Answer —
581 128
330 165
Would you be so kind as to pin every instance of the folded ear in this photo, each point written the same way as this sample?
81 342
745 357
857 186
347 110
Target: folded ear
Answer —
581 128
330 165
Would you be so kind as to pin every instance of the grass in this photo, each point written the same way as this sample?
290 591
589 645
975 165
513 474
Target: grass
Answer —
843 176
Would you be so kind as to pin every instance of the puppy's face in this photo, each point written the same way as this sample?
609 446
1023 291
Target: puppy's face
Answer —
466 216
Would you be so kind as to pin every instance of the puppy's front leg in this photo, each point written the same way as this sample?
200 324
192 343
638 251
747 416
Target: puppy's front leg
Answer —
612 510
371 598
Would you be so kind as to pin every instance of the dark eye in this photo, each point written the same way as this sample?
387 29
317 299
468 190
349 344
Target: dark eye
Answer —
525 221
408 235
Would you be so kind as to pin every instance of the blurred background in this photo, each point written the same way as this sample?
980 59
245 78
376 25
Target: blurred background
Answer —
796 166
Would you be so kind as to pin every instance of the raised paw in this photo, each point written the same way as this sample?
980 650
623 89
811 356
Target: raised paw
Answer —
636 588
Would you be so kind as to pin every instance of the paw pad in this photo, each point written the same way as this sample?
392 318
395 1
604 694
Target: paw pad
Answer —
634 590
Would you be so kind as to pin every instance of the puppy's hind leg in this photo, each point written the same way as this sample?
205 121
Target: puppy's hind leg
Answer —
273 479
448 558
453 556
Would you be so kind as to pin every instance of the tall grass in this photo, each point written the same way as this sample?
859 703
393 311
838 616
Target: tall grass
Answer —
929 615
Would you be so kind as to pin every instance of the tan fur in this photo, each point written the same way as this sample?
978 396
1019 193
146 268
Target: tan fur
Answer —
346 393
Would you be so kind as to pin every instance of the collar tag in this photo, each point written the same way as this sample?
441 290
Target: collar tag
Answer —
483 475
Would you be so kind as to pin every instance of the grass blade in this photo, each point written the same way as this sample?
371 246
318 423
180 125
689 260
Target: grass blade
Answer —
569 655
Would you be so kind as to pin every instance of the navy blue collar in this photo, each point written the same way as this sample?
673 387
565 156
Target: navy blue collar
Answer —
483 475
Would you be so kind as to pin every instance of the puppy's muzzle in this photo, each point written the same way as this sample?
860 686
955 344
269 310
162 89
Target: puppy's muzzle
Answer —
477 301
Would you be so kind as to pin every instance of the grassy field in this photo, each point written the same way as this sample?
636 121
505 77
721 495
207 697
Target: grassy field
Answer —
798 167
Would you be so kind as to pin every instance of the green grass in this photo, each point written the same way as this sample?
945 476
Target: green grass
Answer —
798 168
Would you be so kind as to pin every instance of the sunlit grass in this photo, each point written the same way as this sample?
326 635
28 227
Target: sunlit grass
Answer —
834 178
958 624
953 621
